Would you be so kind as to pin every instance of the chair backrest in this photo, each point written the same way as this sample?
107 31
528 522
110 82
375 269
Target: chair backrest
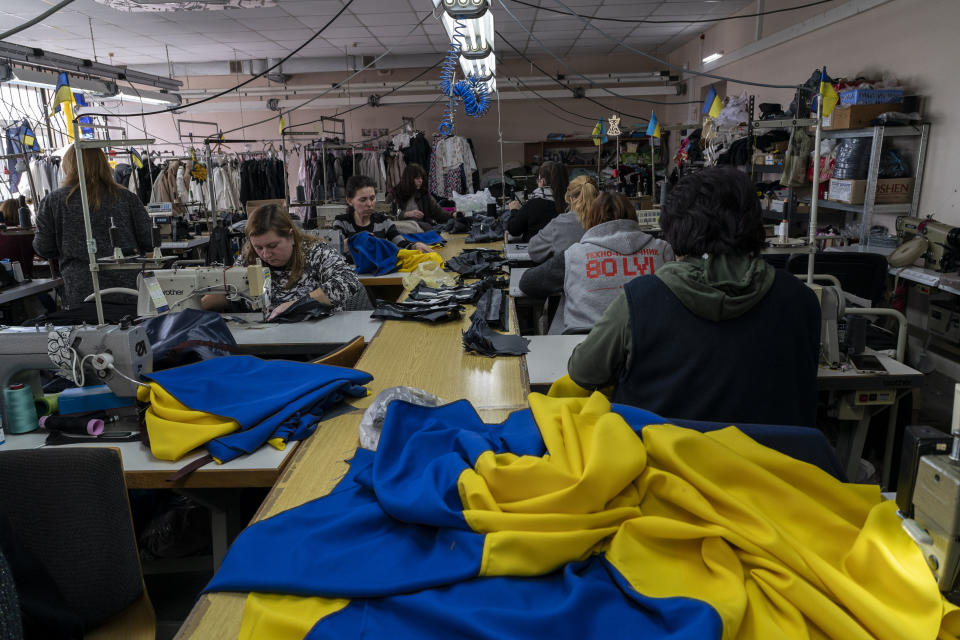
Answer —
69 507
345 356
862 274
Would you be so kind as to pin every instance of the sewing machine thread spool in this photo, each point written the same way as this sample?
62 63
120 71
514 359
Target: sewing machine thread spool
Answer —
46 404
21 411
81 425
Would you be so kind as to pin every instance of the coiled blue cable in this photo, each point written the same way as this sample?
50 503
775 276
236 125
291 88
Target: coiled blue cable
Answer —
472 90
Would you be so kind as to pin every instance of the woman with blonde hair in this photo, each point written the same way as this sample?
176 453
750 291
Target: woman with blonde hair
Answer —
300 265
592 272
565 229
60 230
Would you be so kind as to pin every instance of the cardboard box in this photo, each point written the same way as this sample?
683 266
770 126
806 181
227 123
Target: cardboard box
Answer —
889 191
857 116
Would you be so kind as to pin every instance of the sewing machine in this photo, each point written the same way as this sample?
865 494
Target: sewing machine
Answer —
165 290
119 355
172 227
943 241
935 527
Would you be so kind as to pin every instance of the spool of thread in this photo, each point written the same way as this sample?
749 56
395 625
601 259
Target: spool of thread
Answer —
46 404
301 193
21 412
23 214
81 425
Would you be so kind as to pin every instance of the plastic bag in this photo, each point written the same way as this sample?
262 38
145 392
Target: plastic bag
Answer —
431 273
474 201
371 424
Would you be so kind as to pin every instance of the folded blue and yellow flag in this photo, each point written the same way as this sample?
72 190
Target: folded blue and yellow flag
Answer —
235 404
577 519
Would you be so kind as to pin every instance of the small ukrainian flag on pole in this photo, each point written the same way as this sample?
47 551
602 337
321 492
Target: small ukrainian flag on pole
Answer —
830 97
653 129
62 93
136 158
712 106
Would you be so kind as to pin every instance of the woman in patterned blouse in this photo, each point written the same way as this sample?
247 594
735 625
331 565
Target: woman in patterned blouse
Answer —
300 265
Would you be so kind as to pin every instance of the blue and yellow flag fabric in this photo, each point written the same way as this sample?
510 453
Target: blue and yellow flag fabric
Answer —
712 106
581 519
830 97
600 133
653 128
26 137
136 158
234 404
61 93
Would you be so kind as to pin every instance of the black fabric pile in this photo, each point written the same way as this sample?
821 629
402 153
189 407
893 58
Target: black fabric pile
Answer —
187 336
480 338
485 229
306 308
477 263
416 310
463 294
493 307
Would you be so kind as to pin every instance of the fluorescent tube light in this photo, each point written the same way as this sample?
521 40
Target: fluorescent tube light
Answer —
716 55
147 97
46 80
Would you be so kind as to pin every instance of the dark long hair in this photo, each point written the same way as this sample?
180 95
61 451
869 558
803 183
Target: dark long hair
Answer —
555 175
408 188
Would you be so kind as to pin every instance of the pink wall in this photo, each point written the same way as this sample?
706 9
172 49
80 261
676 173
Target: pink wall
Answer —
915 40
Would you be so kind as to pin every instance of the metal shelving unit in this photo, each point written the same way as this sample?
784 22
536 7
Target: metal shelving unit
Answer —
869 206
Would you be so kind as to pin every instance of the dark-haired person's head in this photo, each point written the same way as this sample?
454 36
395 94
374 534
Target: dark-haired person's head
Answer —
361 195
412 181
607 207
714 211
554 175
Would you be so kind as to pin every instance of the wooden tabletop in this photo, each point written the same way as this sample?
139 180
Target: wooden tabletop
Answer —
408 353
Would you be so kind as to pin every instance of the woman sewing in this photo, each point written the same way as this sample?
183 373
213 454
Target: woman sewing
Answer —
412 201
360 216
300 266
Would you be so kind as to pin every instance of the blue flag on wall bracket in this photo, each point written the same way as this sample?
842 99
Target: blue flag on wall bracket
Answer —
27 137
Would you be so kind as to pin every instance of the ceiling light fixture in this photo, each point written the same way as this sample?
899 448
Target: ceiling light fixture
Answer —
185 5
147 97
48 80
716 55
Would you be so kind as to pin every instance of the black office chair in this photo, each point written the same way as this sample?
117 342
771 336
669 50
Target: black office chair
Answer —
68 507
862 274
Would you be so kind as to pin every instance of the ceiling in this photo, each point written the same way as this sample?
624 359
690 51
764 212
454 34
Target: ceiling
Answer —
368 27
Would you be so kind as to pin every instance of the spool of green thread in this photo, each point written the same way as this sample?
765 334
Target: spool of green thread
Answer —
21 412
47 404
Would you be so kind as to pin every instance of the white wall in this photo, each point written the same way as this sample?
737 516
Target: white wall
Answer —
915 40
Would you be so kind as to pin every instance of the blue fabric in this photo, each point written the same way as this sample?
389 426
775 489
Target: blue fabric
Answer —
392 532
372 254
427 237
584 600
268 398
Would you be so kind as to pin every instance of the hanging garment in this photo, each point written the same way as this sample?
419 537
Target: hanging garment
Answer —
234 404
477 263
416 310
565 518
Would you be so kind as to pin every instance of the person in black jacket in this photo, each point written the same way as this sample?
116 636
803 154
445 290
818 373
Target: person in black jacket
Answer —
412 201
546 201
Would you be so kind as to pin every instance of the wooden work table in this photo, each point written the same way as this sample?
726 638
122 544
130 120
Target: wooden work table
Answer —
408 353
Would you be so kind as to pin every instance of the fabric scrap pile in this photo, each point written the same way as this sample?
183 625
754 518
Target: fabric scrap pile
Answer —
581 520
234 404
463 293
493 311
424 311
477 263
431 238
378 256
479 228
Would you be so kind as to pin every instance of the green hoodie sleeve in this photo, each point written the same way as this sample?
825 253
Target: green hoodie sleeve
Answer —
600 360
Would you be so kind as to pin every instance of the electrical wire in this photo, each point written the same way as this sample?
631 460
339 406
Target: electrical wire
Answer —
332 88
429 106
29 23
669 65
367 104
647 21
252 78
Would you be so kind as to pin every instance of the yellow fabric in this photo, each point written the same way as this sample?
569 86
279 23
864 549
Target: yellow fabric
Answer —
175 429
267 615
408 259
778 547
830 97
565 387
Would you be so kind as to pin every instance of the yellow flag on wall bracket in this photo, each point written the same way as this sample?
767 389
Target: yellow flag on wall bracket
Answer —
830 97
283 124
712 106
